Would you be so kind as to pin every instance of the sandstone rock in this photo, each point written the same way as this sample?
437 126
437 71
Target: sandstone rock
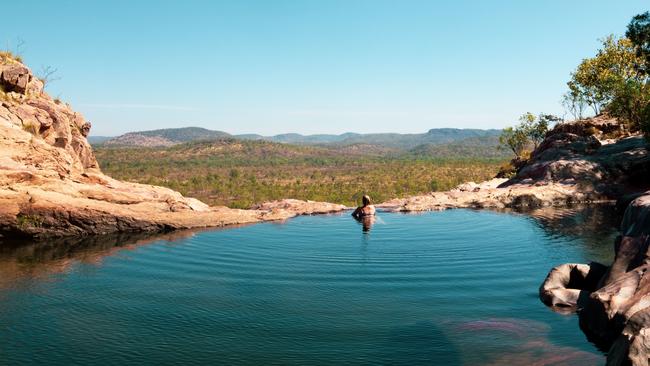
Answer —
488 195
51 184
14 77
601 127
613 304
304 207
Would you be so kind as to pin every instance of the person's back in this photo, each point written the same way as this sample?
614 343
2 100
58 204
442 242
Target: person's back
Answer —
366 210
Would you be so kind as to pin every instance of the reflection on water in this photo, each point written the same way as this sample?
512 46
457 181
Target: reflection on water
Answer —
593 223
366 222
39 260
595 226
455 288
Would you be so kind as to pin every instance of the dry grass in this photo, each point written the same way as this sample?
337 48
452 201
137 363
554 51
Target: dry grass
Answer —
8 57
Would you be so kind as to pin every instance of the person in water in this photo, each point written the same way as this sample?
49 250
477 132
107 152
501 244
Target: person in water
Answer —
366 210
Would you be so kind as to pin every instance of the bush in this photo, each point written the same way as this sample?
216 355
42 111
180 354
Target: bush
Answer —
631 104
529 133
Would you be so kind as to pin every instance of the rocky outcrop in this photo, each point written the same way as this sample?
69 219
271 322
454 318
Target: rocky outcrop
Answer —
599 158
304 207
608 168
613 302
575 163
492 195
51 184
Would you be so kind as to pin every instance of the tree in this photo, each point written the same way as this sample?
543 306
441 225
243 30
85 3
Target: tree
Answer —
541 127
48 75
597 79
634 99
513 139
531 130
574 102
638 31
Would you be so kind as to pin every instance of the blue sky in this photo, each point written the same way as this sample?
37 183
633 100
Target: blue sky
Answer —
309 66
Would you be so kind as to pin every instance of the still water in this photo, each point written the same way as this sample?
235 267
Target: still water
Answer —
456 287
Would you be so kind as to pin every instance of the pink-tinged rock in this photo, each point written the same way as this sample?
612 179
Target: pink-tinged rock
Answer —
14 77
615 312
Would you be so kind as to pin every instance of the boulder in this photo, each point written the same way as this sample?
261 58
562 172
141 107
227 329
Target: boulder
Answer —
613 302
14 78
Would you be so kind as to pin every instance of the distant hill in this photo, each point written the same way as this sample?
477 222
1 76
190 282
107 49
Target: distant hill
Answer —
474 141
473 147
165 137
387 140
296 138
435 136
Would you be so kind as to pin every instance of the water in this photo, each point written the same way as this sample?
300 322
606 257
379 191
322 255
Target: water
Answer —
448 288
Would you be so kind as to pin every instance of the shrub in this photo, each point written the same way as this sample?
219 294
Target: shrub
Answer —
631 104
7 56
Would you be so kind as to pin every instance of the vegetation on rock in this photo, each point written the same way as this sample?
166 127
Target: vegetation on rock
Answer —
616 79
527 135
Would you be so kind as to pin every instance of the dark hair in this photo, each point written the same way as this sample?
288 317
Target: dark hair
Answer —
365 199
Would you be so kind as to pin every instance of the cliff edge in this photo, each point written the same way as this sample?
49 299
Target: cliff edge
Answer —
586 161
52 185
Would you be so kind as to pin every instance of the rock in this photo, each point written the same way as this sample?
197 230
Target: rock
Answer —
566 285
467 187
636 221
51 184
304 207
613 302
492 194
573 155
14 77
601 127
85 129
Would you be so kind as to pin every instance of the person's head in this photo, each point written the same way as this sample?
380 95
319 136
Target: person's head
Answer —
365 200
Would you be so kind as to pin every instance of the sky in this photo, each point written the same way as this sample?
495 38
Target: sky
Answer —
307 66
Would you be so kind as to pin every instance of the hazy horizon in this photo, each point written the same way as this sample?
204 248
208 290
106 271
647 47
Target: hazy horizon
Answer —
310 67
290 132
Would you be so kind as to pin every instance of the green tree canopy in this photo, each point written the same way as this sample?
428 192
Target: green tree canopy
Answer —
597 79
531 130
638 31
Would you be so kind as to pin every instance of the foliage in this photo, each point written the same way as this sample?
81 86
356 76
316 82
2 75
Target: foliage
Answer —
631 103
638 31
575 103
637 95
597 79
616 79
514 139
531 130
239 173
27 221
